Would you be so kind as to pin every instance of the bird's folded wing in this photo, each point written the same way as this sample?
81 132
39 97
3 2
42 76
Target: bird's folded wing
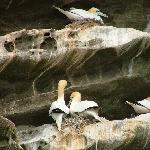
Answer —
145 103
85 14
83 105
72 8
58 105
102 14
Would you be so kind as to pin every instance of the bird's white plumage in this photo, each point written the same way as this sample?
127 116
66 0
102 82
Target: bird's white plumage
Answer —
145 103
72 8
82 105
85 14
84 108
59 105
80 14
138 108
70 15
58 117
95 115
102 14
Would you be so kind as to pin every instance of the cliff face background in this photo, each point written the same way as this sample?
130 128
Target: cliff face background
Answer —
108 64
18 14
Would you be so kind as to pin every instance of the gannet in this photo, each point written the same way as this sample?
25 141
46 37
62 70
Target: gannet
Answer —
142 106
58 108
75 14
84 108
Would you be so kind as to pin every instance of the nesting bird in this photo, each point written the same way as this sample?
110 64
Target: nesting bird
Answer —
84 108
75 14
142 106
58 108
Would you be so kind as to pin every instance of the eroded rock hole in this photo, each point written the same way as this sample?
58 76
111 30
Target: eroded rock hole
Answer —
49 44
32 53
40 53
47 34
25 43
9 46
36 118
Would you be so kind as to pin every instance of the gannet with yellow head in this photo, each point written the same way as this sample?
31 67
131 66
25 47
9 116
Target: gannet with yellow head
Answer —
142 106
58 108
75 14
84 108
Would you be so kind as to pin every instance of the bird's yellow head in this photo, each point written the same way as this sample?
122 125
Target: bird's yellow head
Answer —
62 83
75 96
93 10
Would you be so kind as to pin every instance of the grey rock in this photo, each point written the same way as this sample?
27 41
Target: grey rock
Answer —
106 64
111 135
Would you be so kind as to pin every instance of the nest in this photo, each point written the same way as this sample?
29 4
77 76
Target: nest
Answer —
82 24
76 124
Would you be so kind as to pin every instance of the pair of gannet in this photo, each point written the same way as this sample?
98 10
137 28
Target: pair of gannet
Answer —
75 14
142 106
85 108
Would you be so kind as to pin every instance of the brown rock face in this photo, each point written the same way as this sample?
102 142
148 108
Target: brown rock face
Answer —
119 134
106 64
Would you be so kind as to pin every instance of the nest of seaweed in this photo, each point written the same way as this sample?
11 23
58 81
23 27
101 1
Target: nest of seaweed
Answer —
82 25
76 124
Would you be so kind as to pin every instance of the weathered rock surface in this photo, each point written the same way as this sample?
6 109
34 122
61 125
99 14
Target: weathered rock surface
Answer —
100 61
119 134
107 64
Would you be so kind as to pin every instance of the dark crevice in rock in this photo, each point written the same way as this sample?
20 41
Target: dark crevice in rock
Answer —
24 43
51 84
9 46
36 118
49 44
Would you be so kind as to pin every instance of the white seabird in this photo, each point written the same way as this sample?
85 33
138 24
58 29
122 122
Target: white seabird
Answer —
75 14
58 108
84 108
142 106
